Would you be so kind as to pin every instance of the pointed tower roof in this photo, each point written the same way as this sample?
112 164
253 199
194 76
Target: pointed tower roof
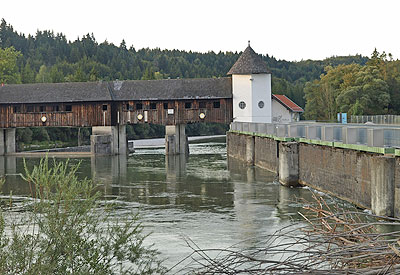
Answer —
249 62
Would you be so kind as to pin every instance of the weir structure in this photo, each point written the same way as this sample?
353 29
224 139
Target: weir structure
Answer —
357 163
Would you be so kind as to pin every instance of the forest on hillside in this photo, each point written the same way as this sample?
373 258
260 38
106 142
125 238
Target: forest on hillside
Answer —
352 84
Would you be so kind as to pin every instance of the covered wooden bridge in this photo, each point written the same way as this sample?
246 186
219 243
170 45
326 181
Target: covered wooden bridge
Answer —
109 106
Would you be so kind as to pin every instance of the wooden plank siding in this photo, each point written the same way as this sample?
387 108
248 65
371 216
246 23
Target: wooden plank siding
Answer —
87 114
157 114
79 115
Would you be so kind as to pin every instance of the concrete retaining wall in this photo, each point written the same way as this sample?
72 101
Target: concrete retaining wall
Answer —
369 180
236 146
341 172
266 153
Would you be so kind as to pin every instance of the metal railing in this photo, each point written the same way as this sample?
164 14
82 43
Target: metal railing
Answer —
377 119
363 134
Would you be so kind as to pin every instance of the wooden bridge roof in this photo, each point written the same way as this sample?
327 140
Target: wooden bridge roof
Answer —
166 89
54 92
173 89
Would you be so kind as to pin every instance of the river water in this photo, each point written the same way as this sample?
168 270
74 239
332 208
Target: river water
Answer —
205 197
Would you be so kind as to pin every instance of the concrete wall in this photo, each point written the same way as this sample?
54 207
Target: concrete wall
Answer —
341 172
266 153
280 114
236 146
397 187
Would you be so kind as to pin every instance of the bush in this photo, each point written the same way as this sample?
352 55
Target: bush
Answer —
65 230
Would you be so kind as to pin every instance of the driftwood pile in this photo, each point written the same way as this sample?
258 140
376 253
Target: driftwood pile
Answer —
333 241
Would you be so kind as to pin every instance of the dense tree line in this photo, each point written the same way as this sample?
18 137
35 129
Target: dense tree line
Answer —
370 89
50 57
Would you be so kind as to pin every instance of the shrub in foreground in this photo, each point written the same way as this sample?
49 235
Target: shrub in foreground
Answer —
65 229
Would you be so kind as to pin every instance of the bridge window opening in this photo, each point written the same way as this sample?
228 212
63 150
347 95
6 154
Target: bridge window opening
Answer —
216 104
30 109
165 106
153 106
42 109
55 108
129 107
188 105
68 108
17 109
105 107
139 106
202 105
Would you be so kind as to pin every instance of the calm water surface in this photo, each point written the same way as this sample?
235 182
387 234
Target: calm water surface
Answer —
214 201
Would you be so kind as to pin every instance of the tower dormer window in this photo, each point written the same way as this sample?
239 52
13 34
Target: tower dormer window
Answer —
261 104
242 105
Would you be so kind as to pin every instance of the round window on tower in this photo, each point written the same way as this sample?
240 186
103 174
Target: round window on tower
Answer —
261 104
242 105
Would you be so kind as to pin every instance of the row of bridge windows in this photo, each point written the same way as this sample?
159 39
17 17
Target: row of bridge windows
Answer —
129 107
188 105
41 108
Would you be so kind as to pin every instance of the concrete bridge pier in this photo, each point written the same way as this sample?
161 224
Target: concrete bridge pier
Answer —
176 141
109 140
7 141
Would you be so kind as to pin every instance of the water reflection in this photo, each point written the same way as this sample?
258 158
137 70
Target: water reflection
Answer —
217 202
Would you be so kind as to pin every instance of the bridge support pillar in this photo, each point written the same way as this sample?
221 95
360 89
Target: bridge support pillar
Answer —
7 141
289 164
10 140
108 140
2 143
176 140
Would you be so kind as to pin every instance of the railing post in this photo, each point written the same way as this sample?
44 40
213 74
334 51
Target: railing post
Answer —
327 133
349 135
281 130
292 131
271 129
375 137
311 132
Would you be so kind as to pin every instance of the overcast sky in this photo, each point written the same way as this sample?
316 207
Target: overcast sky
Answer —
286 29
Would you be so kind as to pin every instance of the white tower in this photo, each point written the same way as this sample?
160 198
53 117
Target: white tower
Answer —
251 88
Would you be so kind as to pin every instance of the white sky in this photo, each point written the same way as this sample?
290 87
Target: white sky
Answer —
286 29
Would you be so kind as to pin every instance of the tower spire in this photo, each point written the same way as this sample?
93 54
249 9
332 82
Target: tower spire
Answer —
248 43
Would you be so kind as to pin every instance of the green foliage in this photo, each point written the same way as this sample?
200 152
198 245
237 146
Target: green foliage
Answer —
24 135
40 134
370 89
65 230
87 60
9 72
206 129
141 131
353 84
